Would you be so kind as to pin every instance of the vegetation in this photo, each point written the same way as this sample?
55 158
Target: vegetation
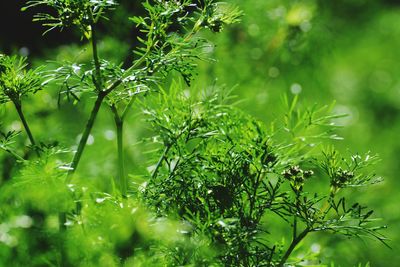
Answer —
191 179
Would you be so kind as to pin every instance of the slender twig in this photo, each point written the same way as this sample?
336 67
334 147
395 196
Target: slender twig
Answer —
98 79
18 157
128 107
121 166
100 97
117 82
119 123
21 115
161 159
85 135
296 240
62 220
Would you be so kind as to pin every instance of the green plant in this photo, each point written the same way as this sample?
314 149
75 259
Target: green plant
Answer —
228 176
219 180
168 43
15 83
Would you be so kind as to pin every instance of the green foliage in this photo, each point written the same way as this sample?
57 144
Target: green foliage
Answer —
169 42
80 14
104 231
15 81
6 142
163 50
221 185
348 172
223 172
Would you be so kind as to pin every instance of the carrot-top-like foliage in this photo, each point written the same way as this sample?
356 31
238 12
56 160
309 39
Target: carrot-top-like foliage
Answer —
218 182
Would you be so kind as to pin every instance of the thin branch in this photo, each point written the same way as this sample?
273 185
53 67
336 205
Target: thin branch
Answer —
21 115
98 79
119 123
85 136
18 157
100 97
292 246
127 107
166 150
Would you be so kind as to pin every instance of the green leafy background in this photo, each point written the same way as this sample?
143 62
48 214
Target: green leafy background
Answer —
345 51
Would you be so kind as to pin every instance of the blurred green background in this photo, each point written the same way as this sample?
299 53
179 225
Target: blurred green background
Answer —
346 51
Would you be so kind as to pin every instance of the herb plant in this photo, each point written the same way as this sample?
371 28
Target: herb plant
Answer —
218 180
225 173
15 83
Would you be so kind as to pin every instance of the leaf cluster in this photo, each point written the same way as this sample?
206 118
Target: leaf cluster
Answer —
103 230
169 29
15 80
218 178
224 173
82 14
349 172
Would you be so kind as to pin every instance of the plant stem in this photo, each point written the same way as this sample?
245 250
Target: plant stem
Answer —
294 226
100 97
85 135
18 107
128 107
62 219
296 240
119 123
121 167
18 157
98 79
164 154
